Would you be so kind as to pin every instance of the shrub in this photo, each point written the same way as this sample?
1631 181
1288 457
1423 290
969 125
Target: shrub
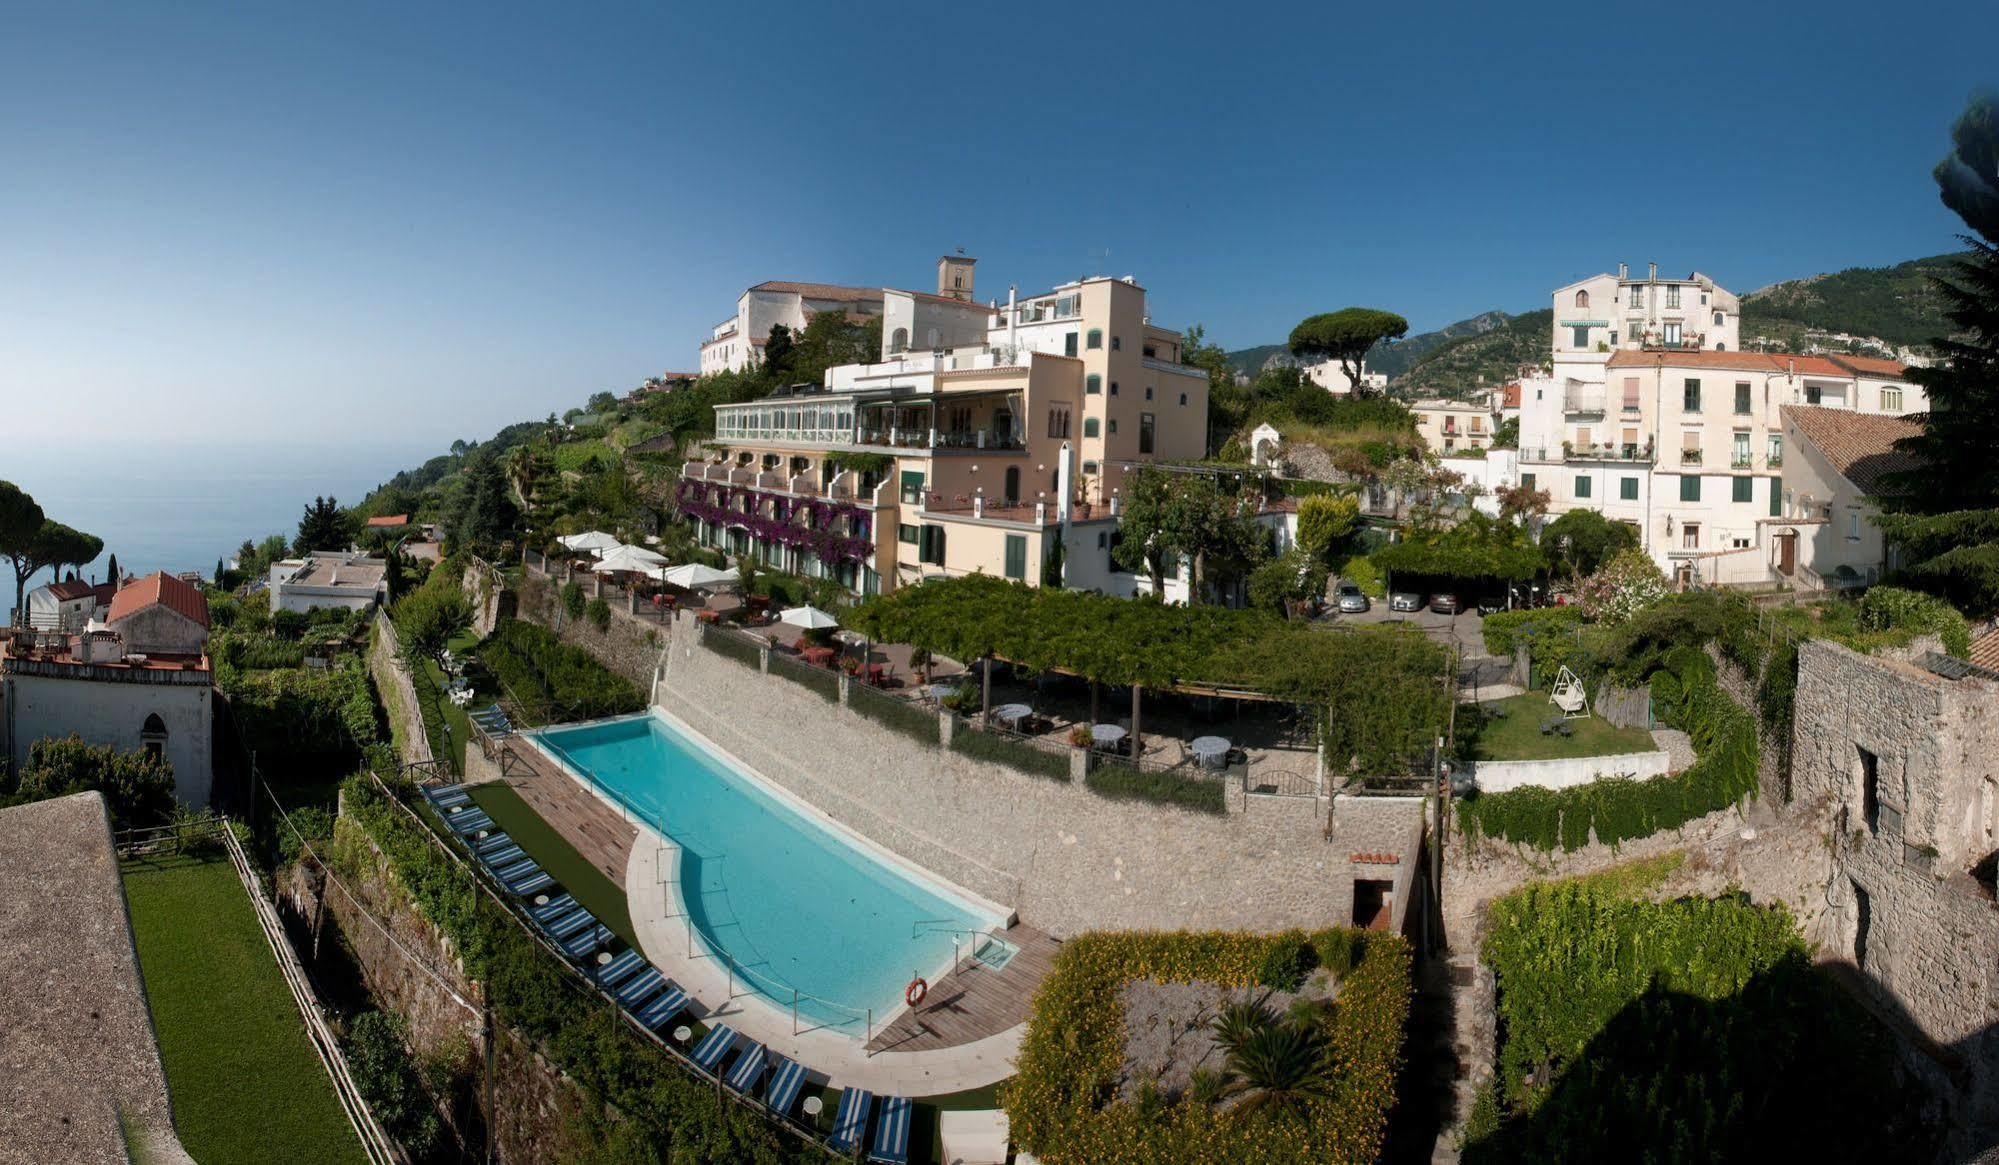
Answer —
553 679
572 599
1123 782
1074 1049
599 614
311 825
383 1073
138 789
1015 754
288 624
1892 608
1506 630
1286 965
1361 572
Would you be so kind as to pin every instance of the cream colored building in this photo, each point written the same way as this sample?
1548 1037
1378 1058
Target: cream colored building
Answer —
737 342
1453 428
1833 482
989 440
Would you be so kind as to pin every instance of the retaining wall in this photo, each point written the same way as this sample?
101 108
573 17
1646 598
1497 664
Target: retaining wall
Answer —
392 680
1497 776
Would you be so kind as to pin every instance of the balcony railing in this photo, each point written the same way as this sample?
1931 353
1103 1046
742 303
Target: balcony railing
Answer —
1631 454
947 439
1741 461
1585 399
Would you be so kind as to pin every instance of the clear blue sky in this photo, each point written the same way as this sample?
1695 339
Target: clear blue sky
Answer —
328 222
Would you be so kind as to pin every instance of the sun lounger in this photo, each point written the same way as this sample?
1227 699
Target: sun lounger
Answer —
569 924
892 1132
552 909
492 843
619 969
521 887
467 822
850 1126
519 867
444 796
748 1070
787 1079
584 943
713 1046
661 1009
635 989
503 857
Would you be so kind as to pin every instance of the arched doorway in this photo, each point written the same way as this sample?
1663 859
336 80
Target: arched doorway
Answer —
153 737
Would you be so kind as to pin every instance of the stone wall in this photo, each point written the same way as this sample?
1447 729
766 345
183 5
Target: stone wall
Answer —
487 591
1773 761
629 646
392 680
1498 776
1902 909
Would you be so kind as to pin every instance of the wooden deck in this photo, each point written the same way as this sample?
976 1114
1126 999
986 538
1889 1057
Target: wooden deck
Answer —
974 1001
603 838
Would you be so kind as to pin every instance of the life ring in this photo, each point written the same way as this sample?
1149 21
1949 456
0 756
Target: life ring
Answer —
914 993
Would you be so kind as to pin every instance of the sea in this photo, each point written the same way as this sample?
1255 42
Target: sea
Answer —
182 507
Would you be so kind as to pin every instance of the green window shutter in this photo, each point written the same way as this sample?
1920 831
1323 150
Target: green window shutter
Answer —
1745 489
1093 384
1089 426
1582 486
912 486
1690 487
1776 500
1526 481
1627 489
1096 338
1016 556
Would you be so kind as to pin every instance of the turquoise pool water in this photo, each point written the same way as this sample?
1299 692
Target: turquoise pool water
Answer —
795 904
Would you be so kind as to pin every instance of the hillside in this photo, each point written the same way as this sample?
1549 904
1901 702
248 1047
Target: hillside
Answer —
1392 359
1895 304
1483 360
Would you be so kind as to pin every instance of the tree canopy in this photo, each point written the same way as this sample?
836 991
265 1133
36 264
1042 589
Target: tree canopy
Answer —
1477 547
1581 541
1185 514
1345 336
324 526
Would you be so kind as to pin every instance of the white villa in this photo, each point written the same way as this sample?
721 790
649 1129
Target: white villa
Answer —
736 342
329 578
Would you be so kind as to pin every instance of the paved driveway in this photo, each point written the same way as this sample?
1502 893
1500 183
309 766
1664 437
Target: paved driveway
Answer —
1467 627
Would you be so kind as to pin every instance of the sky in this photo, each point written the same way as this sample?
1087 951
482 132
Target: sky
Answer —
342 225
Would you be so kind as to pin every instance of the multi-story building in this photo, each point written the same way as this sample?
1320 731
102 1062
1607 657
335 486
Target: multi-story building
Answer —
1839 471
737 342
989 439
1675 432
1328 375
1453 427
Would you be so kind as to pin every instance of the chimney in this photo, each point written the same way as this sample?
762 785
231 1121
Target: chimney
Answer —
1624 270
954 276
1653 277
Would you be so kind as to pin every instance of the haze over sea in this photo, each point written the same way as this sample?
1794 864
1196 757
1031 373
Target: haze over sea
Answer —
181 507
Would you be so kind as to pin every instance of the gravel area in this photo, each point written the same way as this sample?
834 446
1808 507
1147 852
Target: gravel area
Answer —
1168 1029
1678 747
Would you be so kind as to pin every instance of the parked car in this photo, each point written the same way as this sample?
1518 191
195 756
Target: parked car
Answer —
1489 604
1352 601
1445 604
1405 601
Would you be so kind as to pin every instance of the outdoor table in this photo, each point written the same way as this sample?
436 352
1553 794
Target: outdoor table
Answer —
877 674
1109 734
1011 713
819 656
1211 751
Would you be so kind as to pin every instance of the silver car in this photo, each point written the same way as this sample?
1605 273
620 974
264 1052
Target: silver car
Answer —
1405 601
1352 601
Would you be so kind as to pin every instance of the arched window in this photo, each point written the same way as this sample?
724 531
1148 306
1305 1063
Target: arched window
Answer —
1721 347
898 340
153 737
1718 319
1582 299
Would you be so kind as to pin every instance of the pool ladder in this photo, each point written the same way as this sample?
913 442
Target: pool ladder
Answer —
958 934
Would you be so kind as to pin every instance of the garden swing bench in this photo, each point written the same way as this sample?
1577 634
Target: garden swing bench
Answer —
1569 696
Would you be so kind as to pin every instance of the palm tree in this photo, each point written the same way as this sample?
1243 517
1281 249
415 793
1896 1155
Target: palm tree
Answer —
1239 1021
1280 1068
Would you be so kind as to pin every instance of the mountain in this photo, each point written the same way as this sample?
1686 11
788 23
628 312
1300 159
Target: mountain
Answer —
1392 359
1896 305
1480 361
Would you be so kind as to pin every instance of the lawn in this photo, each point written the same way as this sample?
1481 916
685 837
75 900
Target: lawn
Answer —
431 684
246 1084
598 894
1518 736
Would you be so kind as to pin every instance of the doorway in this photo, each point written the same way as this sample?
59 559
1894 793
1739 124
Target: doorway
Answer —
1373 903
1863 921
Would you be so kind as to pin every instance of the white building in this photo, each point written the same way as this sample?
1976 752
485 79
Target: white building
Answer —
138 680
328 578
1833 482
1330 376
1677 432
67 605
737 342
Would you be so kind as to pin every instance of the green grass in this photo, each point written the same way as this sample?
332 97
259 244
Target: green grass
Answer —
246 1084
1518 737
598 894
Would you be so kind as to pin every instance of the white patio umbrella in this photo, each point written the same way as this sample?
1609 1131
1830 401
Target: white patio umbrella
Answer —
696 576
632 558
810 618
588 542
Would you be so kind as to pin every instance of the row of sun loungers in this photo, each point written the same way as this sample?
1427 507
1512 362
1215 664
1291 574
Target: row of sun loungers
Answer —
654 1001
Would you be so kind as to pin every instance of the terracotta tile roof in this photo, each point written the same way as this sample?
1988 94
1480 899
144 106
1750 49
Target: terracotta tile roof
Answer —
1860 446
387 521
1985 650
951 300
1509 397
1874 366
155 589
1378 859
821 290
69 589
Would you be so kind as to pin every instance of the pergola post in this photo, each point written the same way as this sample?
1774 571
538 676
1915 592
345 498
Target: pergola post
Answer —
1137 737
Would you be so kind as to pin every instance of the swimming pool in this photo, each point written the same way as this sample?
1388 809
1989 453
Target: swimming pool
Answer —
792 902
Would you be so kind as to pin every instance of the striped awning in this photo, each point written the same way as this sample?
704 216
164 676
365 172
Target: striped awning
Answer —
1585 323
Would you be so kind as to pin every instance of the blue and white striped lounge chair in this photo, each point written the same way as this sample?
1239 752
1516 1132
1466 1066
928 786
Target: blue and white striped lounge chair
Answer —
547 912
444 796
492 843
660 1010
467 821
892 1132
748 1070
503 857
519 867
619 969
570 923
636 989
850 1125
492 720
585 943
537 879
787 1079
713 1046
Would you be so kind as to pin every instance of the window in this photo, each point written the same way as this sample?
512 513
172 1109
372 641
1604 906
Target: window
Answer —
1744 489
1113 425
1069 344
1776 450
1527 481
1637 297
1095 338
1613 338
1853 525
1058 422
1012 489
1627 489
1103 540
1183 400
1113 388
1812 394
1690 536
898 340
1719 321
1870 790
1580 336
153 736
1089 426
1776 500
1093 384
1672 295
1891 400
1582 485
1148 392
1090 468
1742 398
906 534
1672 333
932 550
1116 344
1016 556
1690 396
1690 487
1145 432
1582 439
1582 299
1149 352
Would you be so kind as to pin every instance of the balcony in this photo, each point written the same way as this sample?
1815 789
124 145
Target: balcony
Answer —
1567 454
1587 398
1690 457
963 440
1741 461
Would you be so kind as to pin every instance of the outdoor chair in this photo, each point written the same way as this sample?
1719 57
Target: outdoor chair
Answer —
850 1124
571 923
619 969
468 821
640 987
748 1070
658 1012
521 887
713 1046
586 942
892 1132
787 1079
551 910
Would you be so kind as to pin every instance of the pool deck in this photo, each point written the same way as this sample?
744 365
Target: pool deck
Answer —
599 832
974 1001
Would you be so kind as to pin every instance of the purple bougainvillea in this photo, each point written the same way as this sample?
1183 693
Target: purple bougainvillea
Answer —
806 523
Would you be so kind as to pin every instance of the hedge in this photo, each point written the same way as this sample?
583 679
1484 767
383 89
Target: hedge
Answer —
1015 754
658 1099
1620 809
1125 783
1504 630
1073 1053
553 679
918 724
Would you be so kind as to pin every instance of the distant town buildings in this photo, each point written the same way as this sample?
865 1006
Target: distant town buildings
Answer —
736 342
137 679
1331 377
991 438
